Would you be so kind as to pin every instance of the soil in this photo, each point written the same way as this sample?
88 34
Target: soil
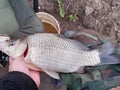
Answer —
101 16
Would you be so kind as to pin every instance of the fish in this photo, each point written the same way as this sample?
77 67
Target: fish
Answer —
53 53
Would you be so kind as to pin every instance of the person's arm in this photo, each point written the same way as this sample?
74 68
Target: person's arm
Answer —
20 77
28 21
17 81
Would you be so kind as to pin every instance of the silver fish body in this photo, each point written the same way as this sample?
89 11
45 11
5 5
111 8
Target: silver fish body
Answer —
52 53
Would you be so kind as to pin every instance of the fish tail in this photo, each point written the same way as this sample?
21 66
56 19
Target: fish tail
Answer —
106 49
108 60
106 57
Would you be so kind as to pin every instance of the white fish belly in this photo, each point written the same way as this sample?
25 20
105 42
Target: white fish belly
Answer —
51 52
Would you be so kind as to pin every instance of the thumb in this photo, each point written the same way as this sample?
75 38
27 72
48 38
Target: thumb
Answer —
35 75
17 64
11 60
20 58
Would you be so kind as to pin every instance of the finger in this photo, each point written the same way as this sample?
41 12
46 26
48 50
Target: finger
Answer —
10 60
33 67
20 58
17 58
35 75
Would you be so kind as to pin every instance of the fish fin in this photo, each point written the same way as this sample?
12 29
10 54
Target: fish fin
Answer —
52 74
106 57
109 60
81 70
69 33
107 49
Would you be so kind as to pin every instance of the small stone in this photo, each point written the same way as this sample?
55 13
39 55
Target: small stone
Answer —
88 10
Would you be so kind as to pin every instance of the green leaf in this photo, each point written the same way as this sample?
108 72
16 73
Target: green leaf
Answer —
73 17
61 10
62 13
59 1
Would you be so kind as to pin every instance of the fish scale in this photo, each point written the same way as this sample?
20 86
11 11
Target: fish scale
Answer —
51 50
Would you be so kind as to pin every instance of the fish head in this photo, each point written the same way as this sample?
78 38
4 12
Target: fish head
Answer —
13 48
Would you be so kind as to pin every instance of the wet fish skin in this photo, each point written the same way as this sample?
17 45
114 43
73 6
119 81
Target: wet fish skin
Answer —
57 54
52 53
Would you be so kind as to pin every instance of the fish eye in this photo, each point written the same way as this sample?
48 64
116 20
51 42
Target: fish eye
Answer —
12 42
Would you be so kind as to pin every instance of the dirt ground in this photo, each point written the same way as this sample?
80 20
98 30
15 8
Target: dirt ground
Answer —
102 16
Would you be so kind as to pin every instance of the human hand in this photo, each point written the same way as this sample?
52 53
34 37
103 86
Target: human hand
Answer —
18 64
116 88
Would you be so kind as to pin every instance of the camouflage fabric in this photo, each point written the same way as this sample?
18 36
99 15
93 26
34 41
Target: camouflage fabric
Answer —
95 78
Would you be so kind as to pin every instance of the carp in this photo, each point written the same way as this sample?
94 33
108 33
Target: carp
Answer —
52 53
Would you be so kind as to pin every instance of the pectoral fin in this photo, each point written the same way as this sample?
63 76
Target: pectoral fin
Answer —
52 74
